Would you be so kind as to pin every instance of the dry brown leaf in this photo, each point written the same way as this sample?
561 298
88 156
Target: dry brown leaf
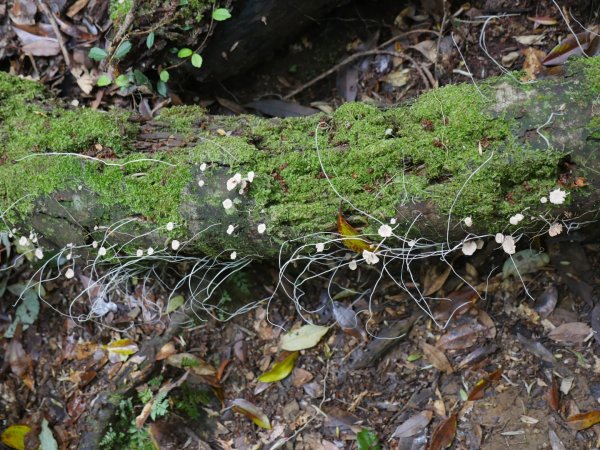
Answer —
434 277
192 363
76 7
530 39
552 396
460 337
413 425
533 63
584 420
571 333
443 435
165 351
436 357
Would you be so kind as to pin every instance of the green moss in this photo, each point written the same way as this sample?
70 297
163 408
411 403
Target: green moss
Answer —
118 9
32 128
591 69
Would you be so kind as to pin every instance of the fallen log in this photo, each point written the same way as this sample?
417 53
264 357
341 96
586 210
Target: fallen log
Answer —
202 185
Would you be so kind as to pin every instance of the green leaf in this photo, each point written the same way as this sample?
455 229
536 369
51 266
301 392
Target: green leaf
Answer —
161 88
183 2
221 14
367 440
280 370
122 81
175 303
47 441
103 80
28 310
196 60
150 39
164 76
140 78
123 49
304 337
184 52
97 53
160 406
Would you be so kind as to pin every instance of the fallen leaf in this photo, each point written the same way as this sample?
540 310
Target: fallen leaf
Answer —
546 302
434 276
460 337
121 349
566 384
552 396
536 348
306 336
175 302
428 48
436 357
349 321
584 420
37 45
533 63
165 351
76 7
525 261
350 236
252 412
14 436
477 390
23 12
555 442
413 425
543 20
397 78
529 420
443 435
579 44
571 333
192 363
530 39
280 369
47 441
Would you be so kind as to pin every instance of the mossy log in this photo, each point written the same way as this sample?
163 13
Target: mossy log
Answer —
487 152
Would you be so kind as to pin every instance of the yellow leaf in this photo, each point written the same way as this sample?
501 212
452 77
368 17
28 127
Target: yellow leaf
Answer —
306 336
250 410
122 347
14 436
349 234
281 369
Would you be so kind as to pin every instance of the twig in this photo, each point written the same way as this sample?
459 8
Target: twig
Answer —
121 32
59 37
355 56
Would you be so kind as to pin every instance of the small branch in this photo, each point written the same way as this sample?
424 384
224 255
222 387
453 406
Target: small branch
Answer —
355 56
59 37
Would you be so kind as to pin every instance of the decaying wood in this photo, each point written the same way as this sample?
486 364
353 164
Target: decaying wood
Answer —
551 141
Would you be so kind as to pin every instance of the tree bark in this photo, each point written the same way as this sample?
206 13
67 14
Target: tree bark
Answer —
487 152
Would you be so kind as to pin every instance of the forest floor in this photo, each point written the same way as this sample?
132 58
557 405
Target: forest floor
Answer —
502 360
